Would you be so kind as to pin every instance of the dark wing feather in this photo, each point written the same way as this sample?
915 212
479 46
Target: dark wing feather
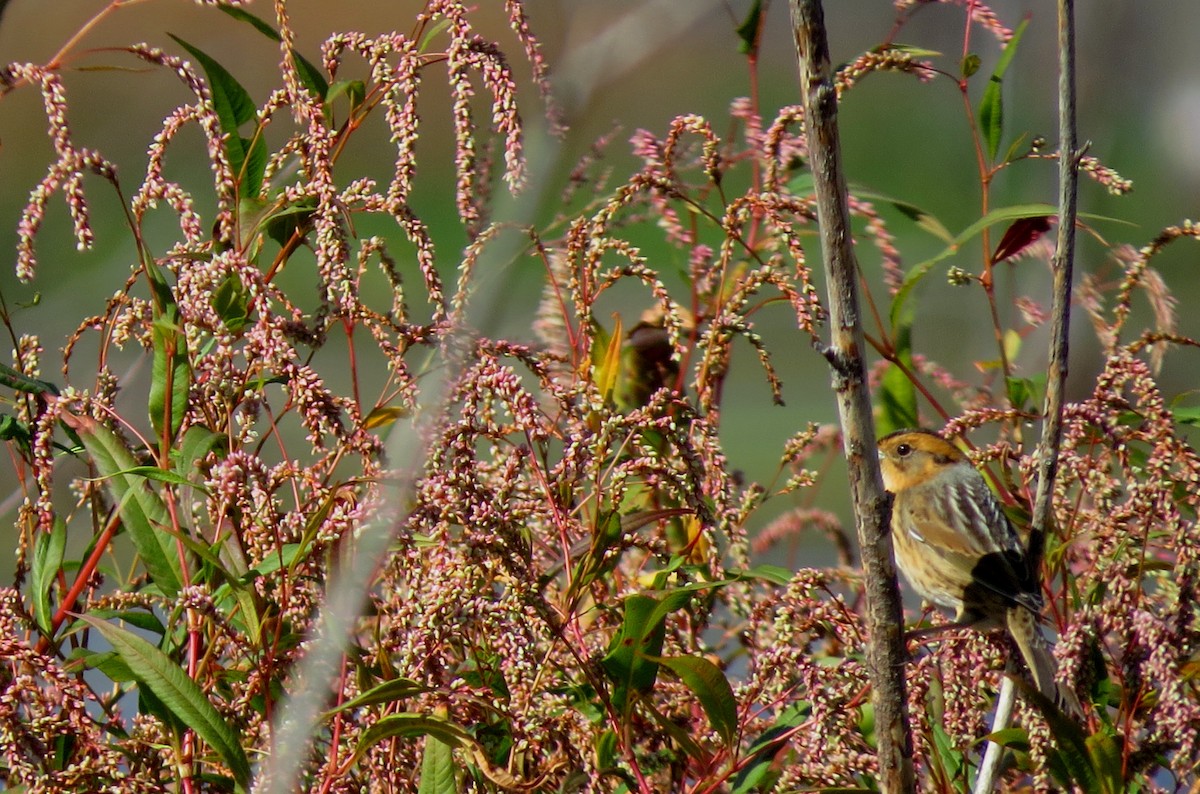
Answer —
1002 568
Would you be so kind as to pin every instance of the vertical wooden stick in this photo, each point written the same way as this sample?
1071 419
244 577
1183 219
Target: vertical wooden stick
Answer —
885 616
1060 325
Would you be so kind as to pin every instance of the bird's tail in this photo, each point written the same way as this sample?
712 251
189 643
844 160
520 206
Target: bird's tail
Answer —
1039 658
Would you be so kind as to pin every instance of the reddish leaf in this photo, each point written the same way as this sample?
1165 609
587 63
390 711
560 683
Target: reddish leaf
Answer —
1023 233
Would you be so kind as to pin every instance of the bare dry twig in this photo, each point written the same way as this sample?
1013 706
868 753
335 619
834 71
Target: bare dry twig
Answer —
885 618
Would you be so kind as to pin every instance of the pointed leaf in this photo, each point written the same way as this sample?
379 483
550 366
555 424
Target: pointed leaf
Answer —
437 768
747 32
991 107
909 49
355 91
195 445
409 724
232 103
775 574
610 368
763 750
48 552
155 671
1071 755
142 511
711 688
231 302
161 475
256 22
897 394
388 692
924 219
250 175
1023 233
310 76
19 381
680 735
630 659
233 107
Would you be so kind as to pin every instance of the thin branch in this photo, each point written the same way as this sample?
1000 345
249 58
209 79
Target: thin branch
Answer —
1064 258
885 617
1060 323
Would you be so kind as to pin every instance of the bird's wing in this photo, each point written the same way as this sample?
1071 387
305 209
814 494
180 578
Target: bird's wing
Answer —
965 524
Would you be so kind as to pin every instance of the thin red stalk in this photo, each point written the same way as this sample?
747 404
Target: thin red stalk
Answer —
81 579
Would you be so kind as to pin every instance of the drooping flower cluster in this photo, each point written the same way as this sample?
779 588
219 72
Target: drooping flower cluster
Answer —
569 597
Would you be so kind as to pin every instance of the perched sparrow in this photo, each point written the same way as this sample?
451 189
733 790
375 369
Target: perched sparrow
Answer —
957 548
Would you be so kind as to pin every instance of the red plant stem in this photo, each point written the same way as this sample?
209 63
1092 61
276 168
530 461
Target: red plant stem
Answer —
81 580
332 772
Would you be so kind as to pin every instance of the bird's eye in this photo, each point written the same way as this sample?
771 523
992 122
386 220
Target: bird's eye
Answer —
903 450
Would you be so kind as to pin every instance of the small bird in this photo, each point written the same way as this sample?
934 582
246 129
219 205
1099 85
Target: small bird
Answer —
957 549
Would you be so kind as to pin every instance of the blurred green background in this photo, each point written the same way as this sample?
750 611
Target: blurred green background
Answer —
640 63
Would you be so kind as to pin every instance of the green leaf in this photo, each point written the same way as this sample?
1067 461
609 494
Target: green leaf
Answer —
108 662
257 23
19 381
155 671
142 511
231 302
284 557
606 749
711 688
756 773
195 445
609 368
747 32
1013 738
233 107
991 107
161 475
11 429
388 692
310 76
947 754
607 532
1107 759
1025 394
437 768
409 724
146 621
991 117
630 660
250 175
775 574
48 552
232 103
970 64
925 220
1186 415
897 394
678 734
355 91
280 226
909 49
432 32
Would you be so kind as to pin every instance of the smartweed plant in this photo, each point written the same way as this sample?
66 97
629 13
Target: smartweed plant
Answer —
570 597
